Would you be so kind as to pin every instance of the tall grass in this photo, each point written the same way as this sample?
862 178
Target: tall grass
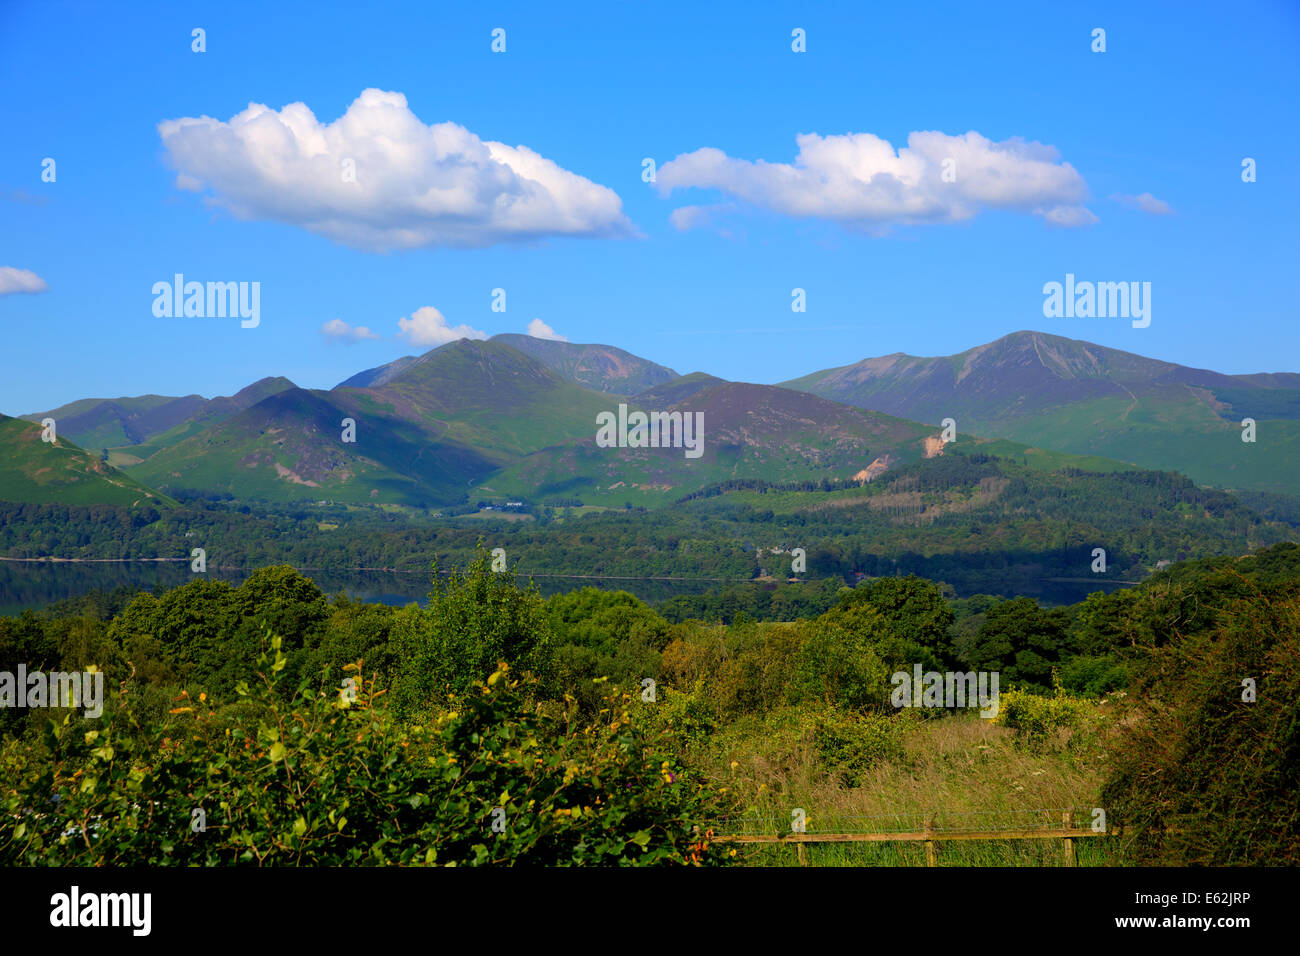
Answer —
955 773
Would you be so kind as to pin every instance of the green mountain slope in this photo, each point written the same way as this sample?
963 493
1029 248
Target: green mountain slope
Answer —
677 390
290 447
987 524
110 422
1085 399
487 395
750 432
135 428
426 432
37 472
602 368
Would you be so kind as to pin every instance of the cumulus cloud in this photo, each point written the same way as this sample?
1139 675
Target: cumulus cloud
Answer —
1067 217
1146 203
860 181
540 330
699 217
378 178
14 281
340 331
428 326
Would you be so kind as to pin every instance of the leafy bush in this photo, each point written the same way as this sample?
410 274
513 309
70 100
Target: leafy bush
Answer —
208 630
685 717
476 618
839 665
1037 718
850 745
1204 775
1093 676
327 780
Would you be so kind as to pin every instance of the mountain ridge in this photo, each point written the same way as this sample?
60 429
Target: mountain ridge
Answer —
475 410
1081 398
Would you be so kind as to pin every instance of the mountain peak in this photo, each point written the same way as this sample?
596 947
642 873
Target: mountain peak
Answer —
603 368
1074 396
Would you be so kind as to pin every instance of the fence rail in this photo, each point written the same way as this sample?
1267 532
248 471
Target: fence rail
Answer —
930 836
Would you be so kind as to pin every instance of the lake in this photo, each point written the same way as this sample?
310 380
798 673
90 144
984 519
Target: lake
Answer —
35 584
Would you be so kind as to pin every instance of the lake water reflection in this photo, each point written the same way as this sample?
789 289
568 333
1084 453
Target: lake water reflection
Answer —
34 584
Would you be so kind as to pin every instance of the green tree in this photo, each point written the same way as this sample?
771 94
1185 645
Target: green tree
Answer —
1021 641
914 611
476 619
840 665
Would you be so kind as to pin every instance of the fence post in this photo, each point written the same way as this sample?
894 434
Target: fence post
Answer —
1067 819
930 857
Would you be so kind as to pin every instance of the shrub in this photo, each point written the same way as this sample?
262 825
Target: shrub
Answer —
839 666
1036 718
1093 676
850 745
1203 776
476 618
325 780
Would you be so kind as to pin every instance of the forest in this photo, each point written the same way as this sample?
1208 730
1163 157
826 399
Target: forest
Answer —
982 524
273 724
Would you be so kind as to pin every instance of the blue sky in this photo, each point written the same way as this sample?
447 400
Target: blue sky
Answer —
1183 92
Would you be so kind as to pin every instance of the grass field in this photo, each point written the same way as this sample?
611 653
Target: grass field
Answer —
957 773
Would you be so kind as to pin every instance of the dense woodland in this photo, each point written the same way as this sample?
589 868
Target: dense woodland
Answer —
237 701
985 525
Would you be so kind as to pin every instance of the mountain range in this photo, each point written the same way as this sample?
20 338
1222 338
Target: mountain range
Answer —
514 417
1085 399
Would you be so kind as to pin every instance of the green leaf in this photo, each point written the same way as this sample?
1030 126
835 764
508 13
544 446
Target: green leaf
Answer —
277 751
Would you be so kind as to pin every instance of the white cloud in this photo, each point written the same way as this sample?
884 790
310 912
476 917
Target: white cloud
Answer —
540 330
1067 217
699 217
858 180
428 326
13 281
414 185
339 330
1146 203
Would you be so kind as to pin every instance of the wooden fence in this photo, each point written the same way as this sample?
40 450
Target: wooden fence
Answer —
931 835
